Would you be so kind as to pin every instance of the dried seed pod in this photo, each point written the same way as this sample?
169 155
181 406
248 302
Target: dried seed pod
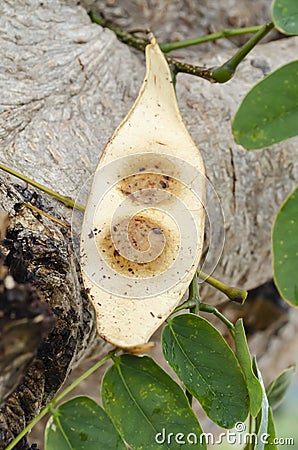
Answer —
143 227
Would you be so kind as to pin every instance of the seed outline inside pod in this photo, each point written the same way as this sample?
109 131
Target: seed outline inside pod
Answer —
155 198
182 209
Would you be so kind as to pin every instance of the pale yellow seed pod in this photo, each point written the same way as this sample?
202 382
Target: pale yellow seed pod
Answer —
143 227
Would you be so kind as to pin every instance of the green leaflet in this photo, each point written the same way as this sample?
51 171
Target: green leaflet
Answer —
269 112
148 408
81 424
285 249
278 388
270 444
285 16
253 385
208 368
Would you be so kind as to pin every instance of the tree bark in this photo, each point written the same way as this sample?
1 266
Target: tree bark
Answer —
65 85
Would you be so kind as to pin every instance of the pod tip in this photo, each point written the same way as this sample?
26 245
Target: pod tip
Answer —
152 38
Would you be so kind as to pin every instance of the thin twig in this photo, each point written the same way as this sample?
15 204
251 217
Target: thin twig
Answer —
220 74
123 36
67 201
140 44
49 216
211 309
227 33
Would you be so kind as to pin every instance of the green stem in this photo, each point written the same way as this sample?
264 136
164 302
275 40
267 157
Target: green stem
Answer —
211 309
59 397
233 293
188 304
67 201
26 430
194 295
225 72
193 288
193 302
214 75
169 46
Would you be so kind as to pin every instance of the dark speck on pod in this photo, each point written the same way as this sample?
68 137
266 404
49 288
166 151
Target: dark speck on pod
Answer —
157 231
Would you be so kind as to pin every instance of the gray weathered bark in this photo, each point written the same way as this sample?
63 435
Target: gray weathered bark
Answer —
39 254
65 85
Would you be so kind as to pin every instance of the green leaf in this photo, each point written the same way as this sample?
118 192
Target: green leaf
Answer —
81 424
264 440
262 420
253 385
285 249
148 408
271 433
208 368
278 388
269 112
285 16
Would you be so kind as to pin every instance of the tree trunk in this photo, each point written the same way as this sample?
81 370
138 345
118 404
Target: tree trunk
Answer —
65 85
